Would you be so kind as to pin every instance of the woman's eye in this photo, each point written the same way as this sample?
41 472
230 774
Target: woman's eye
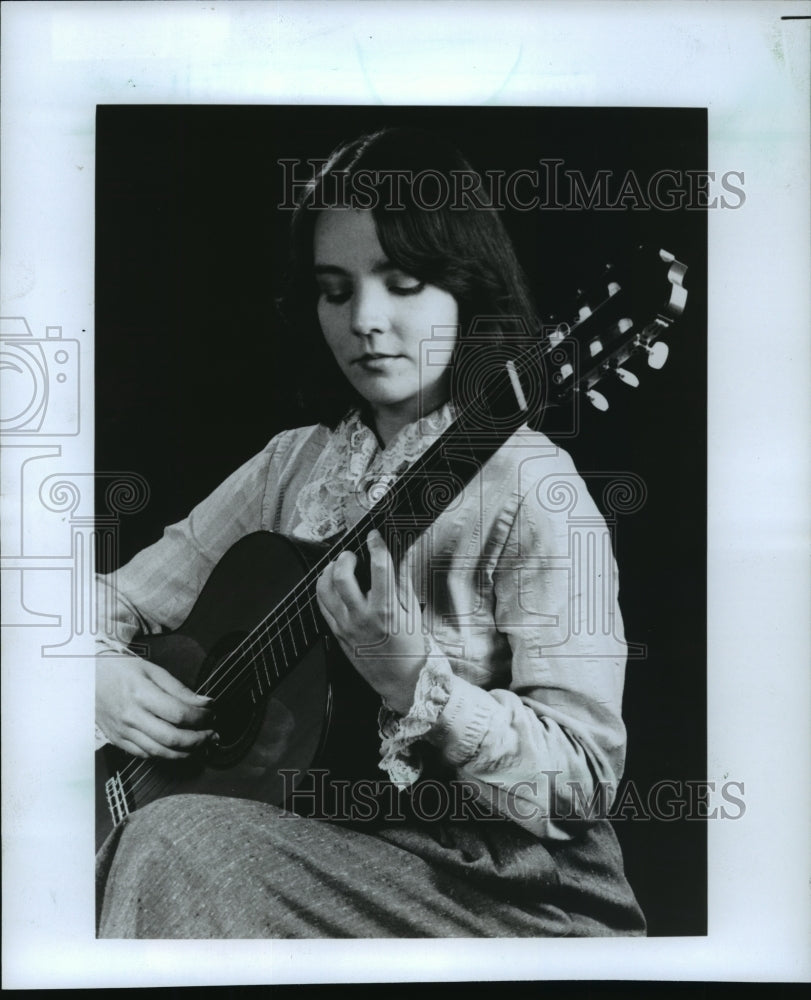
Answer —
334 295
402 284
406 286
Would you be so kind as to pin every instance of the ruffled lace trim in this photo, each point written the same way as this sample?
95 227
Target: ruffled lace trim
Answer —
353 472
400 756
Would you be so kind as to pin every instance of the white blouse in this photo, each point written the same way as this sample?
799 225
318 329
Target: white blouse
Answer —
522 687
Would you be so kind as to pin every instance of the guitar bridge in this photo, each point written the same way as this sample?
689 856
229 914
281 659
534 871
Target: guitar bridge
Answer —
116 799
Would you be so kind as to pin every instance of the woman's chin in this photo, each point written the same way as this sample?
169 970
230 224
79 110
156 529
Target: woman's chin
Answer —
386 392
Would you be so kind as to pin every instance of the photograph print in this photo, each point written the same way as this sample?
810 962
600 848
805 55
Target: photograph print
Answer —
404 625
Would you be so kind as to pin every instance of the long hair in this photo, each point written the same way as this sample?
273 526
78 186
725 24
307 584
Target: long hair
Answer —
455 242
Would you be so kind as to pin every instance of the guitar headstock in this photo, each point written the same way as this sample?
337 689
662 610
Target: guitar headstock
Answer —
623 317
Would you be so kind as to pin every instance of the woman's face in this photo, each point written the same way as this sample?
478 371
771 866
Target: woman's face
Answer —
375 319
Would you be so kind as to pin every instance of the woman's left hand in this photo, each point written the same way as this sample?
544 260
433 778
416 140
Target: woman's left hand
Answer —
380 631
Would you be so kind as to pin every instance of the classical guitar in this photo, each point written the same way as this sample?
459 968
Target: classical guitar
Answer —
287 706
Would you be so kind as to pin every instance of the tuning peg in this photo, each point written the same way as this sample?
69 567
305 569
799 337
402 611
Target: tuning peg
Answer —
657 355
627 377
597 400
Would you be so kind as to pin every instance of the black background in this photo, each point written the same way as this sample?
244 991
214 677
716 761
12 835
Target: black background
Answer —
191 377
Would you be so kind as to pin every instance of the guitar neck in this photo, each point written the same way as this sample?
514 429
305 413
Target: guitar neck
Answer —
401 515
520 378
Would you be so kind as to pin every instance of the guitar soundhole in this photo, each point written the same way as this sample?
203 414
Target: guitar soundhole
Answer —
239 707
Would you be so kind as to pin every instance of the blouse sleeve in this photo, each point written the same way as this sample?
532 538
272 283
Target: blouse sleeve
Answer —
158 587
548 749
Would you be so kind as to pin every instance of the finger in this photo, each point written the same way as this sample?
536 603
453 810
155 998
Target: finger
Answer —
330 604
399 590
325 591
384 584
144 726
345 584
171 685
156 702
329 618
130 747
142 745
406 594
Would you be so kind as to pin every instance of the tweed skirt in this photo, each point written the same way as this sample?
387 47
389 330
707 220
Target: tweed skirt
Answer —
199 866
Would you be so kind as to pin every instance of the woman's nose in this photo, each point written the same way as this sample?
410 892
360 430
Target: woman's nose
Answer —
369 311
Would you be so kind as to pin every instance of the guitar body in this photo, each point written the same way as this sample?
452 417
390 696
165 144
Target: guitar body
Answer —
320 714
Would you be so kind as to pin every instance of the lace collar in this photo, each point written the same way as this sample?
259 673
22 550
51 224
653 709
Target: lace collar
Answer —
353 472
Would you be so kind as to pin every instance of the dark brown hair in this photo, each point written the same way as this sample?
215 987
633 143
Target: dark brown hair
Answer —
460 246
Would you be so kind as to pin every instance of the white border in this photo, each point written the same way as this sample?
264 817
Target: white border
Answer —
752 70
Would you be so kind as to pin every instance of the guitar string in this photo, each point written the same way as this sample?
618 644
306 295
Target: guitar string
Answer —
142 783
239 661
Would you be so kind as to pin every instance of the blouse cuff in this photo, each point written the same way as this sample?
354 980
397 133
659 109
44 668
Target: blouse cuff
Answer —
398 734
463 724
112 645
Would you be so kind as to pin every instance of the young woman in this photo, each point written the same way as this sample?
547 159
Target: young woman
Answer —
489 676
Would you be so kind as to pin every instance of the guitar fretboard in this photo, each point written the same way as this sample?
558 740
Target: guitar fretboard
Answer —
402 514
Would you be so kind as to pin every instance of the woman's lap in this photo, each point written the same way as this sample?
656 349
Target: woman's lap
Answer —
206 867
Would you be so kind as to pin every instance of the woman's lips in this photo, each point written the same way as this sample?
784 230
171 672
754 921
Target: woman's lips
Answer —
376 362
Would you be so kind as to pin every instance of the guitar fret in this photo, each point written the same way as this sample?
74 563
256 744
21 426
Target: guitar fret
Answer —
252 652
264 664
289 630
411 508
280 654
288 644
311 606
298 625
259 685
276 673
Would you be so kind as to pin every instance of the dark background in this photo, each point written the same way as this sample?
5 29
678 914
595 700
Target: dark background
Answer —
191 377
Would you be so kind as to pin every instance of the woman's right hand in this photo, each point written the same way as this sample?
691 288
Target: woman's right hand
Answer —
143 709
